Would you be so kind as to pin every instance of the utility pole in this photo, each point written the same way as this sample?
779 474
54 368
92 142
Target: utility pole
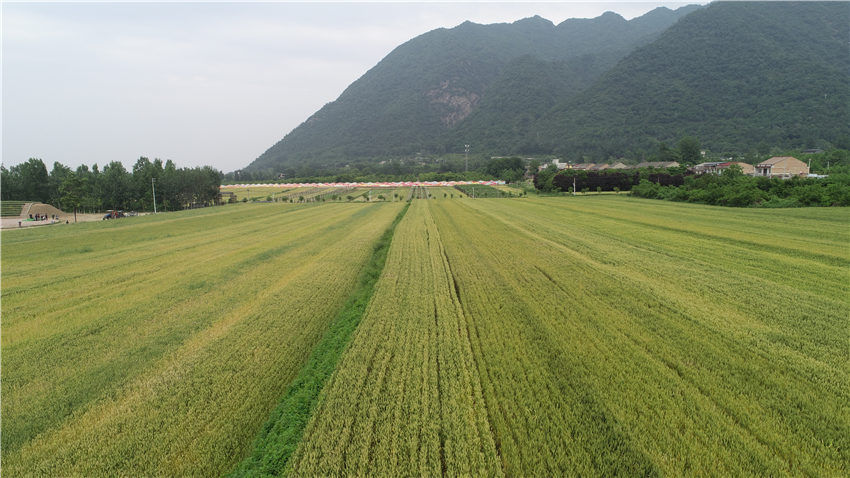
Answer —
466 154
574 185
153 187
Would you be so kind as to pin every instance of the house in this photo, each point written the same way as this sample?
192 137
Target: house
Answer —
748 169
658 164
781 167
709 167
619 166
584 166
556 162
718 167
600 167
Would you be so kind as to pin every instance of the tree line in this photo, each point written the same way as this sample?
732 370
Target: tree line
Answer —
733 188
113 187
456 167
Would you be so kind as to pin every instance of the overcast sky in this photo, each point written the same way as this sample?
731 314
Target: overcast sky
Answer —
204 83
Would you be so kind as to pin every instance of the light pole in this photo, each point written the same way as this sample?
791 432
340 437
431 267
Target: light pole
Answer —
153 187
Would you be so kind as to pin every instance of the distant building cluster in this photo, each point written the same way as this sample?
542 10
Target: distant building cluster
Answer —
783 167
602 166
775 167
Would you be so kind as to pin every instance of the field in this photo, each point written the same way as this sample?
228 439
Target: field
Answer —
512 190
159 345
591 335
481 191
258 192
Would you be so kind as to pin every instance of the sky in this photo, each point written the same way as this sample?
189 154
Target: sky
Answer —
205 83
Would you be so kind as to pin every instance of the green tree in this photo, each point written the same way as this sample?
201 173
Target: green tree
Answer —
55 180
543 179
72 192
10 183
34 181
143 172
115 185
666 154
689 150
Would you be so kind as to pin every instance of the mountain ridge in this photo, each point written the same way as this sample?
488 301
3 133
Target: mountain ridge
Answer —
585 88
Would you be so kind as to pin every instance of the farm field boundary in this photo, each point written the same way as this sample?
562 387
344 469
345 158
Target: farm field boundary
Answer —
283 431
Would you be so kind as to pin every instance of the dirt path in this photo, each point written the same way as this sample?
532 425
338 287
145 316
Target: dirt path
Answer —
21 222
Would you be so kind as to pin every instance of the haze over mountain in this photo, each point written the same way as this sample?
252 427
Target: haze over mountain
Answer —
733 74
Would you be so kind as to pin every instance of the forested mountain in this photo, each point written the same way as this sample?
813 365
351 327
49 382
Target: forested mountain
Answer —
416 97
736 75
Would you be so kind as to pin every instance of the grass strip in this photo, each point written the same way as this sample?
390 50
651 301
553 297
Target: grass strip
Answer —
280 435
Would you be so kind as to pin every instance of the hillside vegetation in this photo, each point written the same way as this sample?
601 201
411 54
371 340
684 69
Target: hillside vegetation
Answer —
736 75
739 76
413 99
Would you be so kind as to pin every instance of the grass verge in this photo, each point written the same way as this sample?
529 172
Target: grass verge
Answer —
280 435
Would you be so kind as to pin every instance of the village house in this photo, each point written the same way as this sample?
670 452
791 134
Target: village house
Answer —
718 167
658 164
781 167
748 169
584 166
556 162
703 168
619 166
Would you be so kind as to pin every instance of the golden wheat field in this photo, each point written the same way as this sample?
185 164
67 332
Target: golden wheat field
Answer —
557 336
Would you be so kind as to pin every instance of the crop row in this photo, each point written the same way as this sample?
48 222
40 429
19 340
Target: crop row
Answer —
482 191
403 400
574 337
159 346
284 429
591 335
704 342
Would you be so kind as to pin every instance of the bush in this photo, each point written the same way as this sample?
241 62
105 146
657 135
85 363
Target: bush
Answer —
646 189
775 202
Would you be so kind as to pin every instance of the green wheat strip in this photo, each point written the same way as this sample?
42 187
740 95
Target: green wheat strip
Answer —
281 433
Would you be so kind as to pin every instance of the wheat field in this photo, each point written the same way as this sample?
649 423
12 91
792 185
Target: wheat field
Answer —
593 335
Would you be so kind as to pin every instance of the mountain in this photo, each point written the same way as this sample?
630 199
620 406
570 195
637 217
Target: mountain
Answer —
416 97
734 74
739 76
